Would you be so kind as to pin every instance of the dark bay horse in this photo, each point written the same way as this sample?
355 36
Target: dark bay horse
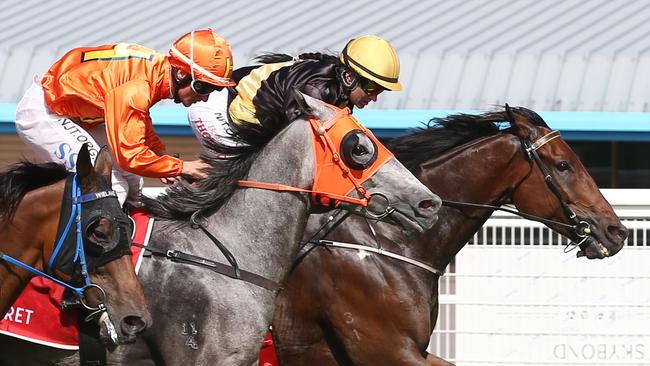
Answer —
343 306
205 318
36 202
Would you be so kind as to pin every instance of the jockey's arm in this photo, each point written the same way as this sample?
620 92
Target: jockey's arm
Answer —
129 132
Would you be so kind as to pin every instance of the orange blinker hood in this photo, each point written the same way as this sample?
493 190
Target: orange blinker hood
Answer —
334 179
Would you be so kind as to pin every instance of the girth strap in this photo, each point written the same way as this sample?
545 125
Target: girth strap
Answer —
221 268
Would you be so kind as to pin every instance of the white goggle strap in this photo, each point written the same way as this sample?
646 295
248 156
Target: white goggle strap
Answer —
192 57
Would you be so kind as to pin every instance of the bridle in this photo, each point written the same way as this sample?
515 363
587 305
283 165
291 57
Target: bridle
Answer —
334 180
77 201
581 228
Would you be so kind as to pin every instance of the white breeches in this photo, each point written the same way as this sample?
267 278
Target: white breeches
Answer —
58 139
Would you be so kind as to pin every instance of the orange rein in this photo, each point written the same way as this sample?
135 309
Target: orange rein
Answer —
285 188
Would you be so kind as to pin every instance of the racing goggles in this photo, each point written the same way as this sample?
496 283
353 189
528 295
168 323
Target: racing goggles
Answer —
369 86
203 88
198 86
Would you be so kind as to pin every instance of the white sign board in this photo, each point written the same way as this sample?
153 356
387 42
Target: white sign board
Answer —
535 305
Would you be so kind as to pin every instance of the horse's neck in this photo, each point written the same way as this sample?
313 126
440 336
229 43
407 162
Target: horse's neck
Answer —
490 168
29 238
262 228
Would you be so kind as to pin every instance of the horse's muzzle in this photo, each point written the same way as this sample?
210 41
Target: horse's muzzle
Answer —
604 244
130 326
133 325
427 212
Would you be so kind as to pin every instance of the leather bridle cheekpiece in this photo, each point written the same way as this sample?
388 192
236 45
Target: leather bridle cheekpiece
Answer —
581 227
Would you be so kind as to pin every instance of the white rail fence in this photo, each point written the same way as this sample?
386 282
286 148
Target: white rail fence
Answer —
513 297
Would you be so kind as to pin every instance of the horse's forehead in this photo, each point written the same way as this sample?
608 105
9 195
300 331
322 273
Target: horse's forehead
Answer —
561 148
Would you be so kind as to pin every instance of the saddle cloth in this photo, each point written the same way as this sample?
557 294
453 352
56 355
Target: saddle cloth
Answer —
36 315
267 356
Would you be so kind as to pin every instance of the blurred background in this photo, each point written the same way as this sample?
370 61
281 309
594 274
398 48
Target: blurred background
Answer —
583 65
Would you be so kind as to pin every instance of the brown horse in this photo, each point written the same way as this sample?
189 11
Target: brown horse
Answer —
343 306
71 228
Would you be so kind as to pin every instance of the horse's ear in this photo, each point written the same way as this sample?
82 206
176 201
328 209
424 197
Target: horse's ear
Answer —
104 164
302 101
312 106
83 165
509 114
520 124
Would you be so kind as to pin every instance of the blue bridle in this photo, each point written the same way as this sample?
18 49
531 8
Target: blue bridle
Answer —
80 256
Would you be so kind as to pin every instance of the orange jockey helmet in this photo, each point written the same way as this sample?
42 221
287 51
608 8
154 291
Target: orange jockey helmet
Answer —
204 55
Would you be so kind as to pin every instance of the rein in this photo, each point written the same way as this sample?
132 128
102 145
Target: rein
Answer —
581 228
286 188
78 200
457 204
321 133
332 172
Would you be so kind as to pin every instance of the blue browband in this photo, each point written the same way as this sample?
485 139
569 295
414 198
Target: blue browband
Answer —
93 196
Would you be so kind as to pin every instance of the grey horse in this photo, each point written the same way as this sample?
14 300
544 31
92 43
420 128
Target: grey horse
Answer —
203 318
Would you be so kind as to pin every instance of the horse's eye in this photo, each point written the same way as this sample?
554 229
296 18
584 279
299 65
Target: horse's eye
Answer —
100 235
563 166
99 231
360 150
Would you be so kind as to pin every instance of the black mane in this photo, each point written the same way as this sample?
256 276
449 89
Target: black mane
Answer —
271 58
182 200
24 177
443 134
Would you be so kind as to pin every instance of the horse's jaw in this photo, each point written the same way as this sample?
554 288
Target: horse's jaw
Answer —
411 226
593 249
604 238
408 223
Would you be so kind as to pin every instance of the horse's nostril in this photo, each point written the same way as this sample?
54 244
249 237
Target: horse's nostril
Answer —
619 232
427 205
133 324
